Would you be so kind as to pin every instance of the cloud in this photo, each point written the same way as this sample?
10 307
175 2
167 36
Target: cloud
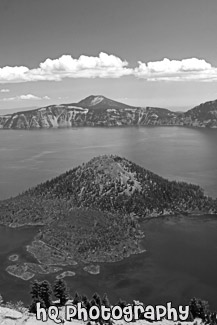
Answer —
13 74
103 66
192 69
110 66
63 98
24 97
5 90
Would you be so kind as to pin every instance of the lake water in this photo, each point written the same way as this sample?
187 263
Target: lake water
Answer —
180 261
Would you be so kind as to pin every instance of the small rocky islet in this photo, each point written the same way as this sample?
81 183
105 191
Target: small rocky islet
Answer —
13 258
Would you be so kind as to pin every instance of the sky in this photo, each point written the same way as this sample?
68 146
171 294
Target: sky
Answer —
141 52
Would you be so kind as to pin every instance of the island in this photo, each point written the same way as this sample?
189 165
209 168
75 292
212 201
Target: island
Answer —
65 274
13 258
92 269
20 271
93 213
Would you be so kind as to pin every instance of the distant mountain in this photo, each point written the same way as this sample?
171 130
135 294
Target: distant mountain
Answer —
101 103
101 111
92 212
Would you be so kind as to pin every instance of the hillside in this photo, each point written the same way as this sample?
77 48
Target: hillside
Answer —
101 111
204 113
115 184
92 213
109 184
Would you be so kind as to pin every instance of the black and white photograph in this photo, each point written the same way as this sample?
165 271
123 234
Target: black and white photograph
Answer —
108 162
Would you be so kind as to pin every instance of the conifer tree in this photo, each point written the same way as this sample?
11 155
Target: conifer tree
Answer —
88 305
60 291
84 299
199 308
122 303
93 302
32 307
41 292
35 290
97 299
76 299
105 300
46 293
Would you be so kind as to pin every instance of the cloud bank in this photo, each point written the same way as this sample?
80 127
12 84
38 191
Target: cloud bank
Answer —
5 90
192 69
24 97
103 66
110 66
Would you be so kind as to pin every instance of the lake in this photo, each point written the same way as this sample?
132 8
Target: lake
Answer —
180 261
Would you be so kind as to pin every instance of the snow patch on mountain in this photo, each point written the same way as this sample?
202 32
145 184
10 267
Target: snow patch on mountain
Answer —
96 100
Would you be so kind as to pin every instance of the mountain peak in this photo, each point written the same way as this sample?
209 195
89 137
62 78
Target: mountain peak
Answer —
92 100
100 102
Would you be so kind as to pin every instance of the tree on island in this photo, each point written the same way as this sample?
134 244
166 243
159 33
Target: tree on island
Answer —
60 291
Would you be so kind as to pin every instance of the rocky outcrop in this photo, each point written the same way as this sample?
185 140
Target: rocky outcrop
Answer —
10 316
101 111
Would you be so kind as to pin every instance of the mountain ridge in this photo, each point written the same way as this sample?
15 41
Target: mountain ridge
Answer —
102 111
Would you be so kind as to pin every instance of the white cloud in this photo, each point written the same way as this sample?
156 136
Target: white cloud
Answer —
29 96
5 90
24 97
63 98
110 66
13 74
103 66
192 69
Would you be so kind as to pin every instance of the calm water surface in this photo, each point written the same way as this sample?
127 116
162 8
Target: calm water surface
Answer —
180 261
29 157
